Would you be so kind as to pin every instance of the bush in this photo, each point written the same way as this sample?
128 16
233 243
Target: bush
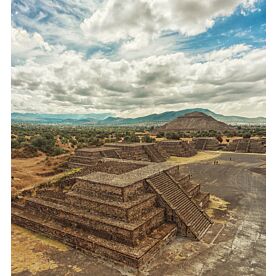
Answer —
219 138
28 151
246 135
172 135
160 135
131 139
46 144
14 144
58 151
148 139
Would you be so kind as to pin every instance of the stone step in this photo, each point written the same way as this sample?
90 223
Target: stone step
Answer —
202 199
108 192
154 154
90 244
126 211
192 189
128 233
83 160
73 165
185 208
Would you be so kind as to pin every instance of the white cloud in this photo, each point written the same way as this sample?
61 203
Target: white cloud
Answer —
57 21
30 46
139 22
224 80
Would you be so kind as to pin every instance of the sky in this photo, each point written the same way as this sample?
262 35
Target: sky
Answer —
137 57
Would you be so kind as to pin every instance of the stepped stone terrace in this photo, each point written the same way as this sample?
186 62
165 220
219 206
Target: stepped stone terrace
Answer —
247 145
120 210
176 148
136 151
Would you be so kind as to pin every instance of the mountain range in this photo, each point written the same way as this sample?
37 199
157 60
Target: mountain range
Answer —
105 119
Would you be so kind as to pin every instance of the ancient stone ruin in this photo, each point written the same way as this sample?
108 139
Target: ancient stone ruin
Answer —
206 143
247 145
176 148
135 151
194 121
122 210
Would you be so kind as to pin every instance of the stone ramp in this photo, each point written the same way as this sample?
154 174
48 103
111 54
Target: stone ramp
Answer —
195 220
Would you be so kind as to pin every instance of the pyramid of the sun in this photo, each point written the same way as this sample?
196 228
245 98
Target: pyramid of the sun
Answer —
194 121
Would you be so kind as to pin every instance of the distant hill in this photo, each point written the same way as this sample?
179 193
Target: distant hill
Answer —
105 119
36 118
194 121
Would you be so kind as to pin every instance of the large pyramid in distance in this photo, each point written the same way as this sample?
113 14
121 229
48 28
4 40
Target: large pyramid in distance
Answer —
194 121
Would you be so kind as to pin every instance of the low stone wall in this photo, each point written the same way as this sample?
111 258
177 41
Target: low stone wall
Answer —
177 148
247 145
93 225
98 189
206 143
72 239
115 209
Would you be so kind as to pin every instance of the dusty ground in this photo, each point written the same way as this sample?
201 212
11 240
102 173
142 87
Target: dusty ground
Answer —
199 157
234 246
27 172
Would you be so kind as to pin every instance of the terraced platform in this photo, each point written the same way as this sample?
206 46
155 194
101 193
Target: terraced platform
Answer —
206 143
177 148
247 145
124 213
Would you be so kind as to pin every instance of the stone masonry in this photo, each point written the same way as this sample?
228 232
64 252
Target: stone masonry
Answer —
247 145
123 210
176 148
206 143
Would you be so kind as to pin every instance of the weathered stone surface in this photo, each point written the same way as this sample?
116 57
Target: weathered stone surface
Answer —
113 210
177 148
247 145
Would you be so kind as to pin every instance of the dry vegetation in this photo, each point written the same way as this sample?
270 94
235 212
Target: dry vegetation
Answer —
39 150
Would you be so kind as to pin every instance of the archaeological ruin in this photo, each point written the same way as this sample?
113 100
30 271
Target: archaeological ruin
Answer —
247 145
176 148
194 121
124 205
206 143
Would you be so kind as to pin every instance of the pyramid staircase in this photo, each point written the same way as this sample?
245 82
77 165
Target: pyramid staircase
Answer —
154 154
208 143
199 144
190 219
242 145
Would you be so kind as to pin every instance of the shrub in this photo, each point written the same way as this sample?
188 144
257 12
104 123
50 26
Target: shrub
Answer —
219 138
160 135
58 151
246 135
148 139
172 135
14 144
131 139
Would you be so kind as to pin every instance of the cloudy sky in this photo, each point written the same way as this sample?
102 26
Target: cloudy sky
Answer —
137 57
